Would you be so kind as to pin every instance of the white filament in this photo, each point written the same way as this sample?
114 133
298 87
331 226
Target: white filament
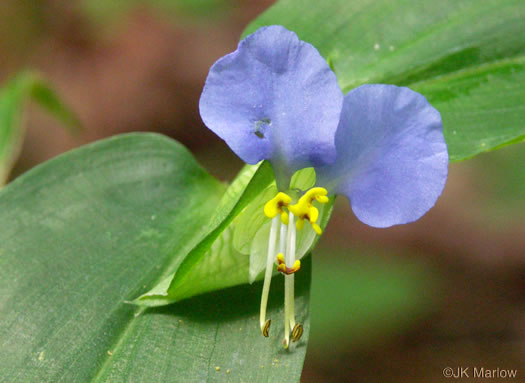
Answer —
289 314
269 268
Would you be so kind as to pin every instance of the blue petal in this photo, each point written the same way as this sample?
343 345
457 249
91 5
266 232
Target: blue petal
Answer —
274 98
392 159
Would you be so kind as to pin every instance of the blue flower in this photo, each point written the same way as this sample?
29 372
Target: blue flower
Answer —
274 98
382 146
392 160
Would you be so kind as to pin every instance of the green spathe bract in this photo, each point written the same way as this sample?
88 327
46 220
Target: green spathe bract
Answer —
234 249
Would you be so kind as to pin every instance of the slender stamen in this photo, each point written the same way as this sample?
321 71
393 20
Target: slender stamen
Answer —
289 315
265 325
282 238
291 261
303 210
286 340
282 249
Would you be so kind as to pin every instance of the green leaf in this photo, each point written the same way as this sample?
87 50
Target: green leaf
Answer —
483 108
208 267
87 231
466 56
13 97
213 338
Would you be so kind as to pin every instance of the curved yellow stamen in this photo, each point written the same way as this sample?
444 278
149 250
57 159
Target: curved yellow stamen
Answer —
304 209
317 228
317 193
276 206
313 214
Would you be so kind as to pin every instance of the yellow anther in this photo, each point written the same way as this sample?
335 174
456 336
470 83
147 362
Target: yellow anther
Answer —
304 209
313 214
317 193
284 217
281 267
322 199
300 224
300 209
317 228
276 206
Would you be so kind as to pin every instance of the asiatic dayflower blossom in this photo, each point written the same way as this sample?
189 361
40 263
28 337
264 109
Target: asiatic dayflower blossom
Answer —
275 98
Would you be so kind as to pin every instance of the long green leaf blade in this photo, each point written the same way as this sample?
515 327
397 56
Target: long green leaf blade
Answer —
213 338
82 234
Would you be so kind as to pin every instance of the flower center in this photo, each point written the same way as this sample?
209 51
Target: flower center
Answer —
283 213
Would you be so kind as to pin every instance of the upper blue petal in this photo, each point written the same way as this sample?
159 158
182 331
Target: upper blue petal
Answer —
274 98
392 160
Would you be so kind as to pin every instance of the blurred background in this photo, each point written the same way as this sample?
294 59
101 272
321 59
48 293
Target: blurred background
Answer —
395 305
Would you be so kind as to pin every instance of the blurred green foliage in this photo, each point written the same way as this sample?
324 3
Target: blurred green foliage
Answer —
108 9
13 98
366 295
500 184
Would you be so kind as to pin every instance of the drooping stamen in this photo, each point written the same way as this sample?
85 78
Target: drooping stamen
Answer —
289 306
303 210
290 252
265 324
283 236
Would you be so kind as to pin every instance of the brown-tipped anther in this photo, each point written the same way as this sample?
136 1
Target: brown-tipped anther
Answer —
297 332
266 328
282 268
